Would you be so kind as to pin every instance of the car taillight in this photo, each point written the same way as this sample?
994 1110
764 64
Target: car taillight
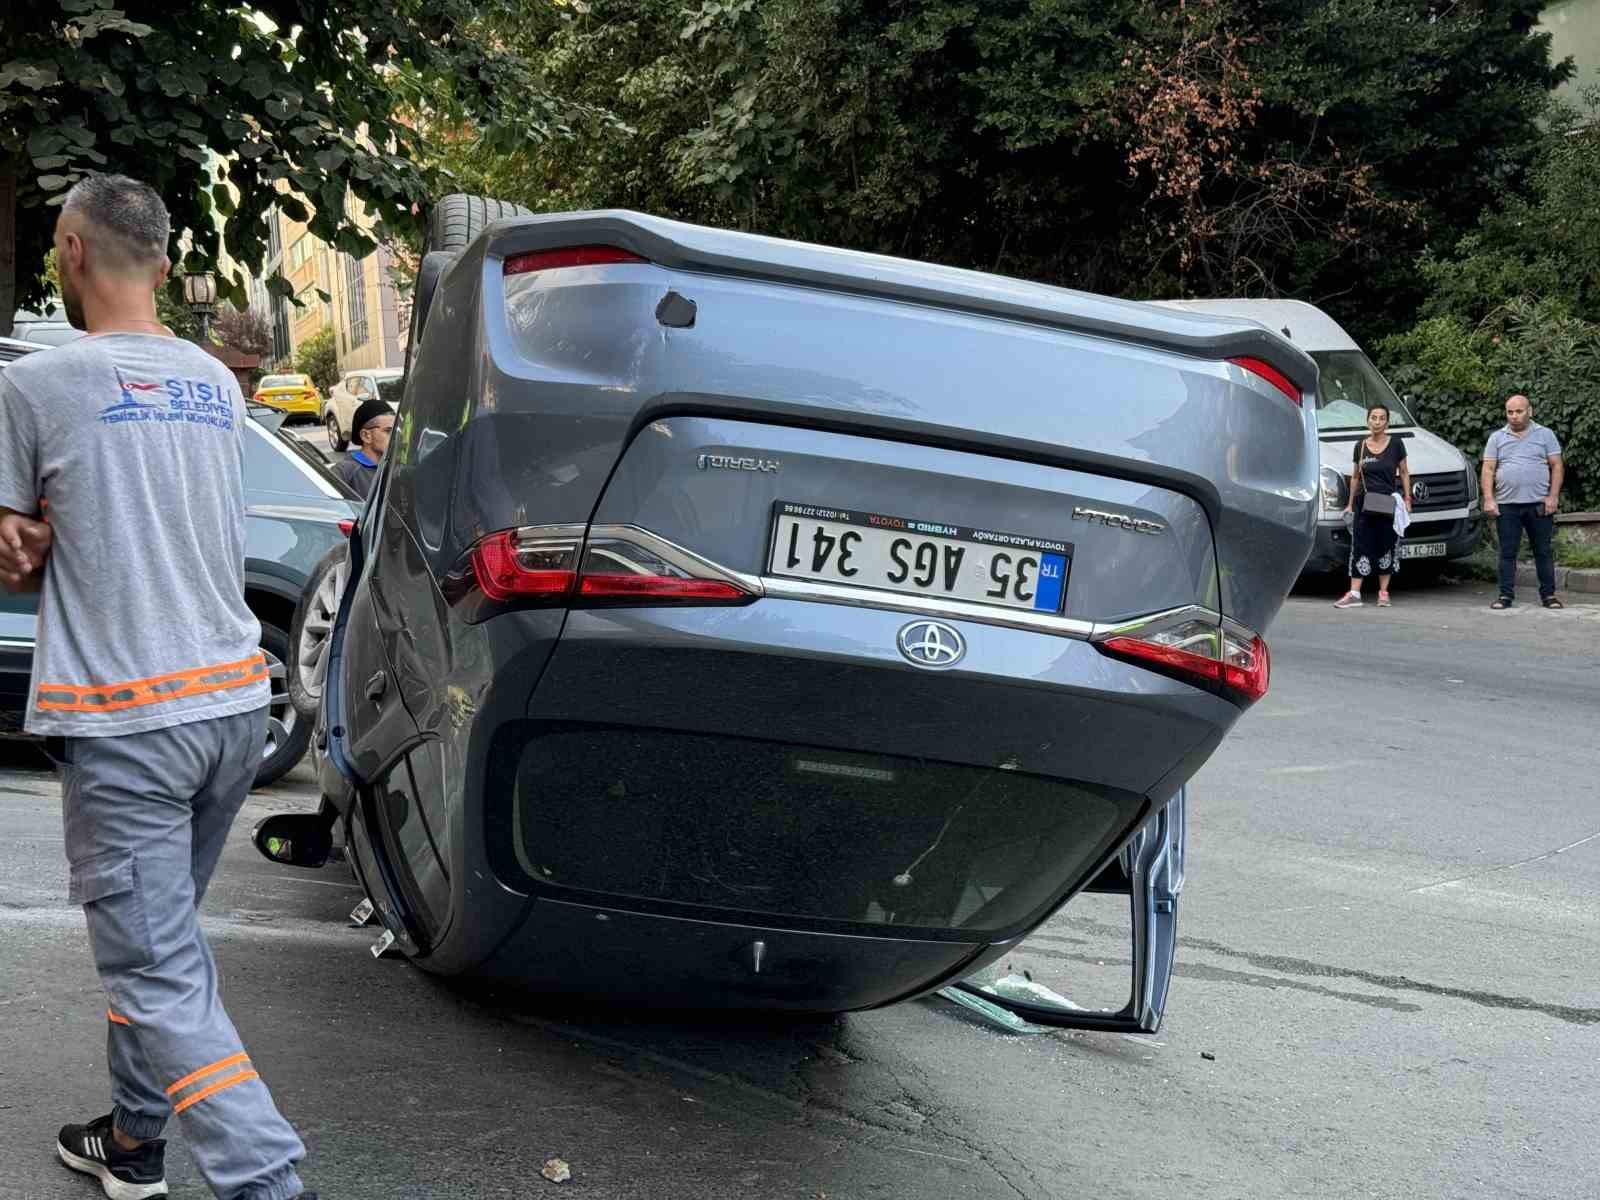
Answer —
521 565
1271 374
1226 658
628 566
346 526
621 565
568 256
1246 666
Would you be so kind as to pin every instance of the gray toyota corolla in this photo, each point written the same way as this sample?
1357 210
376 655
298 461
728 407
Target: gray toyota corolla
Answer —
748 623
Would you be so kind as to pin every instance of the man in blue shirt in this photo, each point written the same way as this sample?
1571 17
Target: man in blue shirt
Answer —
1522 476
370 430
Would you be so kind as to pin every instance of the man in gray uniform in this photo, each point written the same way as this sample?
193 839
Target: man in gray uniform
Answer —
148 681
1522 476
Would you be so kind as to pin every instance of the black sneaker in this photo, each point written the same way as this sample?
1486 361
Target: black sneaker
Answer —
123 1174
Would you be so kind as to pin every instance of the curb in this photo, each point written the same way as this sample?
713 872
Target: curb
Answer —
1568 579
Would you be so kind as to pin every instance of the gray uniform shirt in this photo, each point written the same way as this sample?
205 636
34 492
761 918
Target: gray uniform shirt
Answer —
135 443
1522 464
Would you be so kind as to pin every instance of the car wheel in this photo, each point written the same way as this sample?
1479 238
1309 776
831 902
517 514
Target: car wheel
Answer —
288 734
458 218
312 631
452 225
335 439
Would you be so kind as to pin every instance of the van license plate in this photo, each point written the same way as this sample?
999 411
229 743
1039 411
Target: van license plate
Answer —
924 558
1421 549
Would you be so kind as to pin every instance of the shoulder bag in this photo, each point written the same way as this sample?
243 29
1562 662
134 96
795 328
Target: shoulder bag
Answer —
1379 504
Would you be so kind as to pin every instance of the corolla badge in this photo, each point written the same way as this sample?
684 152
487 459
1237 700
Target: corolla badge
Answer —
931 644
1117 520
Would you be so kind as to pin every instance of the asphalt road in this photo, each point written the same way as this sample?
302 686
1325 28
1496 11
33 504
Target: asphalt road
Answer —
1387 954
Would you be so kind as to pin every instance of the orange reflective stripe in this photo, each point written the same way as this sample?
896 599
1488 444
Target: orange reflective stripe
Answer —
112 1017
222 1065
220 1085
157 689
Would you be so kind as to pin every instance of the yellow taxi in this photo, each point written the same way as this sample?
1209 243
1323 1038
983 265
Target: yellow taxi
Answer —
292 394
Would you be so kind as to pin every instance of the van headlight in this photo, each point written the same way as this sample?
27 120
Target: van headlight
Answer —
1335 491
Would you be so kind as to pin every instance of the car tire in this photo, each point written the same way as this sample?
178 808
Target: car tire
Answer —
335 439
458 218
454 222
311 630
288 733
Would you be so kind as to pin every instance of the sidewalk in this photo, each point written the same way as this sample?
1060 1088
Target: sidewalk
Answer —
1568 579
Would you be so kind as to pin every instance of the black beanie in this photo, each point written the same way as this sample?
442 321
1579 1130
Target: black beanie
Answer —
369 410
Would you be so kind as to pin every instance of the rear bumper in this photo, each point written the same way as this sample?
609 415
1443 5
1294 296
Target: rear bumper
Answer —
298 407
690 883
577 949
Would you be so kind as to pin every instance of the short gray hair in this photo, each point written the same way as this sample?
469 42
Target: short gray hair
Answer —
131 211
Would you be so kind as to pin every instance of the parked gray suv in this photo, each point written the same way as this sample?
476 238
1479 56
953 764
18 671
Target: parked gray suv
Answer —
760 624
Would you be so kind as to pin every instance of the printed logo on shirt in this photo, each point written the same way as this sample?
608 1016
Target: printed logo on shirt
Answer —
192 401
129 401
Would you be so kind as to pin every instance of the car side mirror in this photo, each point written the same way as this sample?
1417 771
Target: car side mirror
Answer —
295 839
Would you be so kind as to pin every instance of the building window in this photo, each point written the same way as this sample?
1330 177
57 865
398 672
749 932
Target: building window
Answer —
274 240
355 278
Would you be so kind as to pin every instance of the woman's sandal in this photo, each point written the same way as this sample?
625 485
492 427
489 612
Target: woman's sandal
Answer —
1552 602
1502 602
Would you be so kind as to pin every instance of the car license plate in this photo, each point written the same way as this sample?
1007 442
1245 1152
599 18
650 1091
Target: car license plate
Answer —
924 558
1421 549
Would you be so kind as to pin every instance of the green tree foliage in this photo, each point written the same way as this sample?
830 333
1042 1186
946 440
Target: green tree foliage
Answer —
318 357
318 98
176 315
1138 147
1515 307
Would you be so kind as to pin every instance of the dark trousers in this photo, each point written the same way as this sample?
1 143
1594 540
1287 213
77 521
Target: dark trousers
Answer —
1513 519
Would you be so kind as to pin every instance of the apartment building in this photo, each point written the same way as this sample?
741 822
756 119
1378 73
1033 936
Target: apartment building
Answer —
361 306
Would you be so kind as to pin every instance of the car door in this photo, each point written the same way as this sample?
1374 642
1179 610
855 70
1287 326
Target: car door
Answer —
1149 871
397 835
356 389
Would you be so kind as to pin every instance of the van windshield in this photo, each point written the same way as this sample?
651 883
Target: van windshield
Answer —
1350 386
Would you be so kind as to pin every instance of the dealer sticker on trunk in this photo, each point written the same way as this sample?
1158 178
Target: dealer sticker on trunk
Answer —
921 557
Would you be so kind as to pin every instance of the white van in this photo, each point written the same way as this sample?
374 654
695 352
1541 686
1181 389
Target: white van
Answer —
1447 518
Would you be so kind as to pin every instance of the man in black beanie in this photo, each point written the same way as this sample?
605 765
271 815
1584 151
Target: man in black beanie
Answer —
369 435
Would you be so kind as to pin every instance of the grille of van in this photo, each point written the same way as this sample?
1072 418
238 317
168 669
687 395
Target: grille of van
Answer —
1445 490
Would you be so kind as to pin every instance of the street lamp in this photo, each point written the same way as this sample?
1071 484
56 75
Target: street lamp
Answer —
200 293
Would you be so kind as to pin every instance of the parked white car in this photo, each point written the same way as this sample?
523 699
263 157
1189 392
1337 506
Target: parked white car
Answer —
1447 516
354 387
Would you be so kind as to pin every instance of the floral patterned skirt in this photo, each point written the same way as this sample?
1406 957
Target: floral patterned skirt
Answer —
1374 546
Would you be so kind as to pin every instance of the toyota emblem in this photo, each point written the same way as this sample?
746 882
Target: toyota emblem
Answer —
931 644
1419 492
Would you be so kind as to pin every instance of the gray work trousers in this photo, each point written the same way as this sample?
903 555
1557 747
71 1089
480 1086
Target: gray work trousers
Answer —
146 817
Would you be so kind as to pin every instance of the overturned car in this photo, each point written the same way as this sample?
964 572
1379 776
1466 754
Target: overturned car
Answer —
765 625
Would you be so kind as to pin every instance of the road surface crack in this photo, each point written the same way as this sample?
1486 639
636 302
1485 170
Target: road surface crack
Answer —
1511 866
1572 1014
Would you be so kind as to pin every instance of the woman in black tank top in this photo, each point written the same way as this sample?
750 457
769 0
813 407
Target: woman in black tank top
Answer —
1379 480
